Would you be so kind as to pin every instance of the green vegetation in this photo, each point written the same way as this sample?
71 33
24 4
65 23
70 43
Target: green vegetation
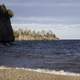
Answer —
33 35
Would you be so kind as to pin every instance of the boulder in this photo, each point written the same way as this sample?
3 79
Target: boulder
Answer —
6 31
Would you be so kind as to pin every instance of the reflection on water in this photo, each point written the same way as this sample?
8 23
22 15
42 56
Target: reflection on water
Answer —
54 55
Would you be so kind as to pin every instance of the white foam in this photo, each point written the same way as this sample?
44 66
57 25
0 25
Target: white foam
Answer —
61 72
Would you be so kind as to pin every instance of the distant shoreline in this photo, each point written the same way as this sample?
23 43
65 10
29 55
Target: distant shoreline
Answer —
33 35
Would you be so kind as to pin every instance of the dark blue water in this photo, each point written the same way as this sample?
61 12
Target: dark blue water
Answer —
52 55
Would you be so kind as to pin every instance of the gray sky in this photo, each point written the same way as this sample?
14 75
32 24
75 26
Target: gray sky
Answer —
65 12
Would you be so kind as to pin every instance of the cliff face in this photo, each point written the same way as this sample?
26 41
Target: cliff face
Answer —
6 32
29 37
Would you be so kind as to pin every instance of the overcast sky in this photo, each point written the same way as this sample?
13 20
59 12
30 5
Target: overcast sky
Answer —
45 11
65 12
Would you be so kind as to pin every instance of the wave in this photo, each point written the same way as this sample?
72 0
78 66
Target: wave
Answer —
61 72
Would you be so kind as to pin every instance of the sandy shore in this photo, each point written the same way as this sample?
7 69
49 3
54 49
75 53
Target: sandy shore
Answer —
28 74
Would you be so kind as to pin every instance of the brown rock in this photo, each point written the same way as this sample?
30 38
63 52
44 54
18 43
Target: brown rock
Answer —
6 31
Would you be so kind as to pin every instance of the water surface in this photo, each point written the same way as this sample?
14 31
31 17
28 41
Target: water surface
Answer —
51 55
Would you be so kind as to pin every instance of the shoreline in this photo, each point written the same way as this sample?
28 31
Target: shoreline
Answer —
54 72
29 74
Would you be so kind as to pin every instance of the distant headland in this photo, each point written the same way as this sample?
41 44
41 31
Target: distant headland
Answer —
33 35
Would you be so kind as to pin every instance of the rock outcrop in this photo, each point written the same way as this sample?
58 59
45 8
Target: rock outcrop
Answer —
6 31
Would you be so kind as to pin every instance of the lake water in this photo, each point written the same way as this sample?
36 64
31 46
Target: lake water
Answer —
52 55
